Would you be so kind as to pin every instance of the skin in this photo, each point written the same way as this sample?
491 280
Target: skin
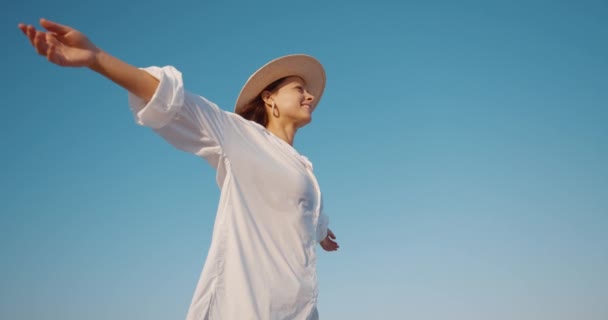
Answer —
329 243
68 47
294 106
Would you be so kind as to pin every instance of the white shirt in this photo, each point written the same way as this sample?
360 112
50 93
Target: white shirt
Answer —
262 260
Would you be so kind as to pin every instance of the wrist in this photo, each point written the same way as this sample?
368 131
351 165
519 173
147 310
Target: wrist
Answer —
99 56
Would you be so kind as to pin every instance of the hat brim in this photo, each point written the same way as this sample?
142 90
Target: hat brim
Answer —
301 65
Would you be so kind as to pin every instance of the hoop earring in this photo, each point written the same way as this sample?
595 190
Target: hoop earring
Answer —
275 111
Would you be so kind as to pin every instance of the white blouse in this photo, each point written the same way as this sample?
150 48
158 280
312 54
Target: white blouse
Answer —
262 260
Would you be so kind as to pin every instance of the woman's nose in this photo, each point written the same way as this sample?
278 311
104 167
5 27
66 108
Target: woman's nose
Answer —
310 96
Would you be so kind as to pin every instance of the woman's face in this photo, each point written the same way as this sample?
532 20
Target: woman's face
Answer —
293 101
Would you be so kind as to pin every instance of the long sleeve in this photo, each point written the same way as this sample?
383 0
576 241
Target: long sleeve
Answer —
189 122
322 226
167 101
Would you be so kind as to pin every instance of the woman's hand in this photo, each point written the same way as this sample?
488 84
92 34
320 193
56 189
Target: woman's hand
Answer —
61 45
328 244
68 47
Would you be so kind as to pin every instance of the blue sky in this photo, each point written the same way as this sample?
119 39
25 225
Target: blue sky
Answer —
461 148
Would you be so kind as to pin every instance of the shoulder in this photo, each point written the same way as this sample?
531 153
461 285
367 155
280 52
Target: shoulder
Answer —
252 126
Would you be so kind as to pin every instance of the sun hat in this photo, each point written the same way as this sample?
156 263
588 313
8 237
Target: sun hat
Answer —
301 65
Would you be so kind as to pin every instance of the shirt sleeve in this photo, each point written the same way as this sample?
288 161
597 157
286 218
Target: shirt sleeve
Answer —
189 122
322 226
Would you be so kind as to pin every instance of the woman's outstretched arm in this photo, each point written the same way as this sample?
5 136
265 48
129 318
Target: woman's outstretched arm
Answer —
68 47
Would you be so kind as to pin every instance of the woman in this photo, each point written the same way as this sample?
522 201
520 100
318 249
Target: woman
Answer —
261 263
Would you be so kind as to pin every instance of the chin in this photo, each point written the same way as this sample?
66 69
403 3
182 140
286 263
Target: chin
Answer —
304 122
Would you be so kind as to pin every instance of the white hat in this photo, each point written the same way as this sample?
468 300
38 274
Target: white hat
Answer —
301 65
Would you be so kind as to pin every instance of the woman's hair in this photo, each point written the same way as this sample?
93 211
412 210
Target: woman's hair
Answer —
255 110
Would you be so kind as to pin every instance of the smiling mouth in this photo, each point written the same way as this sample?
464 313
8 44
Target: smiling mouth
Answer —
307 107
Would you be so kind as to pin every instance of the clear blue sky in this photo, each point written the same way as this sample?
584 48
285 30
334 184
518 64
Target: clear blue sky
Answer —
462 148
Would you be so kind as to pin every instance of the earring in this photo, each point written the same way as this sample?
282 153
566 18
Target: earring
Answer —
275 111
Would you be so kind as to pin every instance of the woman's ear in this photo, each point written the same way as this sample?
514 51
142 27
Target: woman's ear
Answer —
267 97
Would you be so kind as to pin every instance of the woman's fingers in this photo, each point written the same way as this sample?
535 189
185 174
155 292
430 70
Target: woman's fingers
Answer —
50 54
329 245
53 56
46 43
55 27
40 40
23 28
330 234
330 238
40 43
30 31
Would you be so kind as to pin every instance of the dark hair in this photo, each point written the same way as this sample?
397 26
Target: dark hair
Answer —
255 110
